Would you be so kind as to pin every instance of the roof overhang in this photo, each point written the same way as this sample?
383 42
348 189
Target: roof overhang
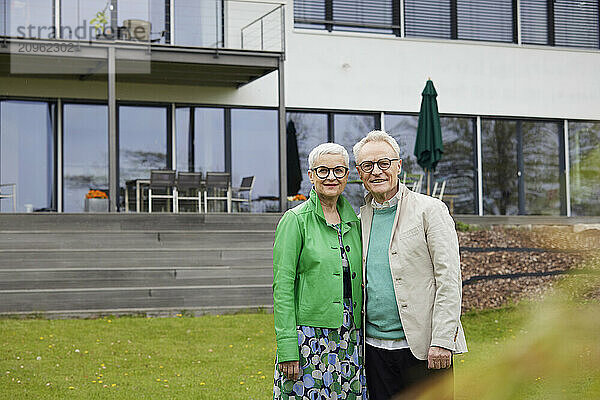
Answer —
135 62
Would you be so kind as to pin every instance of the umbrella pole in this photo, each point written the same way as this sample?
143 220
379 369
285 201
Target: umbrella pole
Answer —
428 181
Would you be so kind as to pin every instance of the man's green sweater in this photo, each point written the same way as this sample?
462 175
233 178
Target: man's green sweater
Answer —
383 320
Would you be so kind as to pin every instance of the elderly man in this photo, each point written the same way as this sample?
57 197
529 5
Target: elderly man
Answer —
411 267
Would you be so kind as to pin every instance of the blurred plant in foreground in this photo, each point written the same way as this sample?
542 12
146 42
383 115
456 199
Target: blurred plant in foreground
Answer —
557 358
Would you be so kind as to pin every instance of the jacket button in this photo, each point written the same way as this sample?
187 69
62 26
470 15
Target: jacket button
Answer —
355 304
348 249
353 275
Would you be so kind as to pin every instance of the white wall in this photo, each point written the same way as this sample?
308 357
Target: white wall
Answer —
336 70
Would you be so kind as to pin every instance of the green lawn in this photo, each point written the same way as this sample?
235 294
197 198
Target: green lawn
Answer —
231 357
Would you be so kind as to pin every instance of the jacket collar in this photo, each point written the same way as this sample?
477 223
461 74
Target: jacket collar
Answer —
344 208
402 192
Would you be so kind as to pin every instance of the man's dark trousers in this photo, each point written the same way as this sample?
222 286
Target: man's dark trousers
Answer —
393 373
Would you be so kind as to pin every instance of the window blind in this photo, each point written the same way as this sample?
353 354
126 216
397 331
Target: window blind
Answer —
377 12
485 20
534 21
427 18
308 9
576 23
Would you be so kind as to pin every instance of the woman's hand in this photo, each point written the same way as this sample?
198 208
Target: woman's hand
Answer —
291 369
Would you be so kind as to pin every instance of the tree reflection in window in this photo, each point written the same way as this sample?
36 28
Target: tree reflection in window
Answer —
584 157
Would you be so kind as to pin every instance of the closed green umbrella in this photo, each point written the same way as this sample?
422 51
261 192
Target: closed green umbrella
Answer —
429 147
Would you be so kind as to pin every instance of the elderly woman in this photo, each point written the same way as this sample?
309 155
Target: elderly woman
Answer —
317 288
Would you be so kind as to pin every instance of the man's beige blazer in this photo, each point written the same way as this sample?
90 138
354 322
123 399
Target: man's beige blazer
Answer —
425 265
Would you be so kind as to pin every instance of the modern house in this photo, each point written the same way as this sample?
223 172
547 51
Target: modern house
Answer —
96 93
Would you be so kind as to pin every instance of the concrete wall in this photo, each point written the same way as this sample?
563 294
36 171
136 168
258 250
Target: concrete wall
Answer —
357 71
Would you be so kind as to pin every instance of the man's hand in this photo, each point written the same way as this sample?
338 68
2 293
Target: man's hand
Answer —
439 358
291 369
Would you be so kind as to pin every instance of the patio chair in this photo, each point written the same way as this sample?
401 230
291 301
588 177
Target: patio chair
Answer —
189 182
245 187
219 183
413 181
12 195
440 195
162 180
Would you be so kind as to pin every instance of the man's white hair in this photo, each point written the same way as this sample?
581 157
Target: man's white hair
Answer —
375 136
327 148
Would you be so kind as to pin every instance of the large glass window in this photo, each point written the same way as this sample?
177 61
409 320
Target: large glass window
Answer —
457 166
27 18
255 152
200 139
85 149
27 153
308 130
142 142
521 167
84 19
584 162
348 130
499 169
199 23
152 11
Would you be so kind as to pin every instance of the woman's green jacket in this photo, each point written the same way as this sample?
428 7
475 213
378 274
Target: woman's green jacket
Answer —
307 272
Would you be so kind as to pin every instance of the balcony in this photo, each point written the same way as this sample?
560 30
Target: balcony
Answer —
191 42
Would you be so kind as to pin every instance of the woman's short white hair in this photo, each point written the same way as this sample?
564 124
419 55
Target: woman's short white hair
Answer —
327 148
375 136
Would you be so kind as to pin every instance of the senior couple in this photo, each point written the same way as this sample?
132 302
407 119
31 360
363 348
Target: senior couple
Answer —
371 303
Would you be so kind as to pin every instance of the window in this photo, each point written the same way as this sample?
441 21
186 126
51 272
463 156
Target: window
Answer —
199 23
27 18
200 139
255 152
27 154
309 130
362 15
521 167
457 166
427 18
576 23
142 142
534 22
85 149
309 10
152 11
486 20
584 164
79 19
348 130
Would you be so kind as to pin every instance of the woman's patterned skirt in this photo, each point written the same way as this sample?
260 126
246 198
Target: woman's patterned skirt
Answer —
331 364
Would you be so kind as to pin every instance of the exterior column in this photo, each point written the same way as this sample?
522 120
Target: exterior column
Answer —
113 165
282 141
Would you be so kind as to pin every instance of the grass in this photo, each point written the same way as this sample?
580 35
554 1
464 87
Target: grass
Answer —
231 356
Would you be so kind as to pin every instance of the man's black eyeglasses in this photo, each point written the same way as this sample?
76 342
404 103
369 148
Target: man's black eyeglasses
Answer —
323 172
383 164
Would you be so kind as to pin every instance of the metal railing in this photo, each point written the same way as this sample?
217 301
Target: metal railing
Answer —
221 24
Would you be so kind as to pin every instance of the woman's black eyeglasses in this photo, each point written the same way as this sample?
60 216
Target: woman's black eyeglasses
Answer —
338 172
383 164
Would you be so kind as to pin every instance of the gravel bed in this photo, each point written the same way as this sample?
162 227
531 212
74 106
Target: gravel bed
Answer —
567 251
